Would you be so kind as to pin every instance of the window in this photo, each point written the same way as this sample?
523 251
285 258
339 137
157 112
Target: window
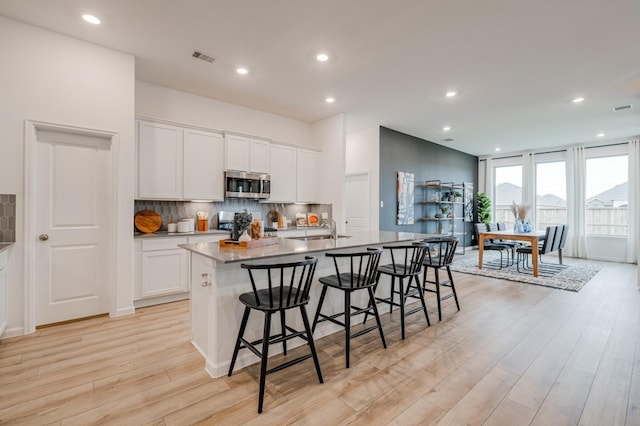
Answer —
508 188
607 195
551 194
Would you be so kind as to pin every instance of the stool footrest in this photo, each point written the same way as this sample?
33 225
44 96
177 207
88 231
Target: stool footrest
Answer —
364 331
288 363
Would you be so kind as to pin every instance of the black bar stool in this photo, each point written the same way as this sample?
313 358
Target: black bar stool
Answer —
439 256
288 286
361 275
406 262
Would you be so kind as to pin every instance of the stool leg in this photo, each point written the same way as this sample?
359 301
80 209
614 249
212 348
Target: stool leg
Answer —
312 345
453 287
421 296
347 324
437 274
315 319
243 325
391 295
283 325
402 299
375 314
265 356
366 314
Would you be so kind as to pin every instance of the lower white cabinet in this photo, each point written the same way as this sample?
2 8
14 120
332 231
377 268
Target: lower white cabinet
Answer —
4 258
162 268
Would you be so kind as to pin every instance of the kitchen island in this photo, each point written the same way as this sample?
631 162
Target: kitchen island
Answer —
217 280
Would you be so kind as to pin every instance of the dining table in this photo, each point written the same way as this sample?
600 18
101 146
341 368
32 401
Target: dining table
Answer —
531 237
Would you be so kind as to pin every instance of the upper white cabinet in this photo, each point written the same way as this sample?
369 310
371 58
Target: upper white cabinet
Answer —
203 165
307 190
246 154
159 161
283 173
176 163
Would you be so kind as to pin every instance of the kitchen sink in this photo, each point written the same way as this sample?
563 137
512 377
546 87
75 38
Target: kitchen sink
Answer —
316 237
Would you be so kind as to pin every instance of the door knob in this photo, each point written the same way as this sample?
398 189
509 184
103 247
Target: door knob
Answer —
43 237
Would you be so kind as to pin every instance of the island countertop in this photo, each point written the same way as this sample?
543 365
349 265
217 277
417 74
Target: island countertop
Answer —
288 246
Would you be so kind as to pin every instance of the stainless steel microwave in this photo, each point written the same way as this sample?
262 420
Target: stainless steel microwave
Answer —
247 185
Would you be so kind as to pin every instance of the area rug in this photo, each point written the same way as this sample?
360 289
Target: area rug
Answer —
571 277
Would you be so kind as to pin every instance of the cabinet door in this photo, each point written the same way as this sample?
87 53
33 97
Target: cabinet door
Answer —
259 156
283 173
203 166
159 161
307 176
3 300
238 151
164 272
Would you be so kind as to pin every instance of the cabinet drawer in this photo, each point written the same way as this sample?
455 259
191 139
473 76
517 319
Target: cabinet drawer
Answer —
162 243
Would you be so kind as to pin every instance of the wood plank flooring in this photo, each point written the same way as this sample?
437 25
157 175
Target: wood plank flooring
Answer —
516 354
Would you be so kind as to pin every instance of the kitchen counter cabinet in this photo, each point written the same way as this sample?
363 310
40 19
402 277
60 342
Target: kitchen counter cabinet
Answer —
4 261
217 280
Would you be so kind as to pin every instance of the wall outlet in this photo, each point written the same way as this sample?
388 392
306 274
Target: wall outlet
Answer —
381 204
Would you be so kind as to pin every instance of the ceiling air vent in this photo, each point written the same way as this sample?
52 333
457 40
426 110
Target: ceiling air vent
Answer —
198 54
448 140
623 107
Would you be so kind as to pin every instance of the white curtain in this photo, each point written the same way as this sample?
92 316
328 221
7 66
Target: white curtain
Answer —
576 245
528 184
633 254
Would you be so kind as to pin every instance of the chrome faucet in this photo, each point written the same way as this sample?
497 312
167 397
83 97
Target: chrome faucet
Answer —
333 227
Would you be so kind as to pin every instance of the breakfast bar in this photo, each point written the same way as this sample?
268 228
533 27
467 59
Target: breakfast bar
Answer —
217 281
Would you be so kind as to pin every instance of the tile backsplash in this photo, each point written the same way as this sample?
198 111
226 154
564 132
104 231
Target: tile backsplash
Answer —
7 218
172 211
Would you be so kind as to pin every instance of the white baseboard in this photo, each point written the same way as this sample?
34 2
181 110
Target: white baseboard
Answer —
12 332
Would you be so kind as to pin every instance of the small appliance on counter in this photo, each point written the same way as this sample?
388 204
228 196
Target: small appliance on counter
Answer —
225 221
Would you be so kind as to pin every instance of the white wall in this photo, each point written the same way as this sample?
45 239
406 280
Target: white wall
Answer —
184 108
362 155
52 78
330 135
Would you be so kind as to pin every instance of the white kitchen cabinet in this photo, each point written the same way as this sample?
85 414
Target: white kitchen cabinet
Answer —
307 188
283 173
4 317
162 267
159 161
176 163
203 165
245 154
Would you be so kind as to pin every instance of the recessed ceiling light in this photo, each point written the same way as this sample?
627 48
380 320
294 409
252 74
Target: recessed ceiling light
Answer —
322 57
330 100
600 135
242 71
451 93
446 128
577 100
91 19
498 149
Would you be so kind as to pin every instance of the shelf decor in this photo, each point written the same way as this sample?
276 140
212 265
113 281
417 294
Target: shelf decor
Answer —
468 201
405 190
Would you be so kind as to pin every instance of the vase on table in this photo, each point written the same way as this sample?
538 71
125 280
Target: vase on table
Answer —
245 236
518 228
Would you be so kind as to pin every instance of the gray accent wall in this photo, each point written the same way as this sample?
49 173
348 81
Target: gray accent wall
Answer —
428 161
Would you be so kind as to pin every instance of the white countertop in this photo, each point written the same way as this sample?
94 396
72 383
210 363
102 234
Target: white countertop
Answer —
287 247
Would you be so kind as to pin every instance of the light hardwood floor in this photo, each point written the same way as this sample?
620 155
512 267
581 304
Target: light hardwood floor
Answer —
515 354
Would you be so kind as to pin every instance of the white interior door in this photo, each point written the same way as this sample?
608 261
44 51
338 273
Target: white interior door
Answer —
357 198
71 256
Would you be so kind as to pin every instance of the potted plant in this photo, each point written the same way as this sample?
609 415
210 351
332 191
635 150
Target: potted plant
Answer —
484 208
445 211
457 196
241 222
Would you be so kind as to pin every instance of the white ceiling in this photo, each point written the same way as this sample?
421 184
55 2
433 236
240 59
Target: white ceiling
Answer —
516 63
